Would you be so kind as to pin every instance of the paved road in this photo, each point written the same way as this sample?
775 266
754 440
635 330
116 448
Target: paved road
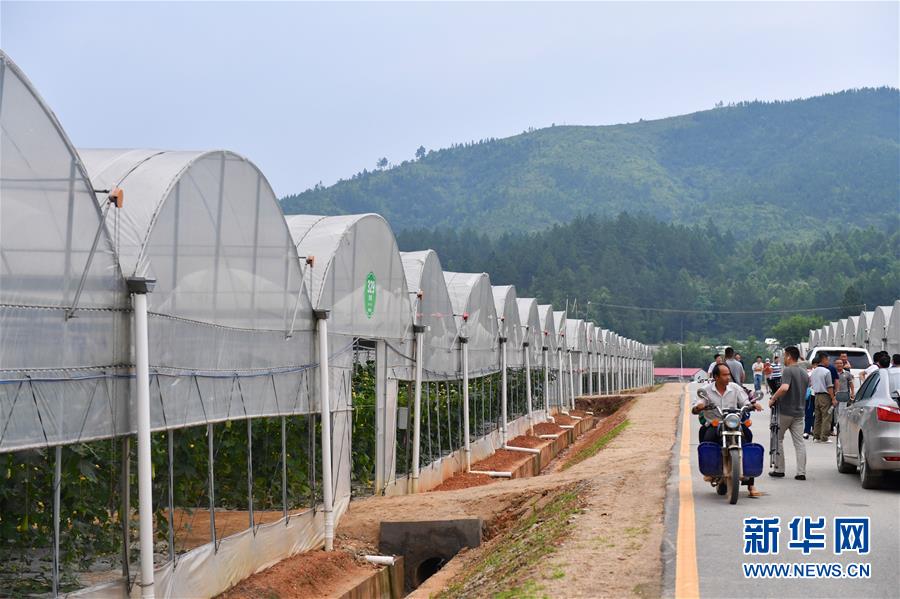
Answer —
719 529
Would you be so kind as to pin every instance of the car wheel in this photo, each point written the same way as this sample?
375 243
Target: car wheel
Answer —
868 478
842 466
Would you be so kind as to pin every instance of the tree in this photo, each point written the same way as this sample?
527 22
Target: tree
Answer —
382 163
794 329
420 152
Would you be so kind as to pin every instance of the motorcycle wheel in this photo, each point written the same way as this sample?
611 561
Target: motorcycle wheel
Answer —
735 478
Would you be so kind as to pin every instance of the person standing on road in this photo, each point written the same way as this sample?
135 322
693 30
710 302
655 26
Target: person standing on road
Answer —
843 388
758 368
823 395
717 359
790 397
895 361
775 375
737 371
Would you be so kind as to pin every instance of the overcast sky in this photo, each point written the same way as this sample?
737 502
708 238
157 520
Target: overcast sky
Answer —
316 92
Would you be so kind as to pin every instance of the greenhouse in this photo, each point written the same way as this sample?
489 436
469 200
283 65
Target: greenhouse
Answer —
850 331
575 342
433 311
893 330
590 350
862 329
879 329
533 354
196 384
550 347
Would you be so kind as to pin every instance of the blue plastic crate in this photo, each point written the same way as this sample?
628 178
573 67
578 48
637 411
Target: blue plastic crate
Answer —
709 455
753 459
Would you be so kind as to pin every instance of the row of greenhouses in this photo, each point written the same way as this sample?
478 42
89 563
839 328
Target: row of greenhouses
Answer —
874 330
194 386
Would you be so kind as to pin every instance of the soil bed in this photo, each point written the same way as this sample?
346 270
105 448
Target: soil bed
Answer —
503 460
547 428
603 427
602 404
578 413
310 574
464 480
528 441
564 419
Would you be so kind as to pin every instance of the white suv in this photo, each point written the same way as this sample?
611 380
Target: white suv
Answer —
859 357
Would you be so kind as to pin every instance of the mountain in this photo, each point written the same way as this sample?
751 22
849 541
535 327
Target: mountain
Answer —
757 168
615 267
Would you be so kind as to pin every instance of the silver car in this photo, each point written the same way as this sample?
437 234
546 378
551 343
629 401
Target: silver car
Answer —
868 429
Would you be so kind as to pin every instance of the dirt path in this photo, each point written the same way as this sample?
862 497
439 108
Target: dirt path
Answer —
613 549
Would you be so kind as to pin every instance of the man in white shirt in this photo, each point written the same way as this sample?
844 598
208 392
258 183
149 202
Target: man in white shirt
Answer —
822 385
724 394
717 359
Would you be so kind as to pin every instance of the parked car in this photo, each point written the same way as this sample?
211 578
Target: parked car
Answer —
868 429
859 358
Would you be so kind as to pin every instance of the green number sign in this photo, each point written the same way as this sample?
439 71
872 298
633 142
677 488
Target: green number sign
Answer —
369 295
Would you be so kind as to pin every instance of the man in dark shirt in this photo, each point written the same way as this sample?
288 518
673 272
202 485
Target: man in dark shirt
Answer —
790 398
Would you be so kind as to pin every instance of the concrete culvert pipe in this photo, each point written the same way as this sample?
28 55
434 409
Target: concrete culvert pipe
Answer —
427 568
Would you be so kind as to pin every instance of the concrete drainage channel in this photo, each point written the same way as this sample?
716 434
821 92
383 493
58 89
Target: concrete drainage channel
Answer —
427 545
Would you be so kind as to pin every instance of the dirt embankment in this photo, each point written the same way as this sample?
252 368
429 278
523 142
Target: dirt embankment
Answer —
613 546
609 546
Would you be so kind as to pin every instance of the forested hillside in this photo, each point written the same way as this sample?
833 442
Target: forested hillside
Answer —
754 168
635 260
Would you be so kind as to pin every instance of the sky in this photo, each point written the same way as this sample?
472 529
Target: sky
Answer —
317 92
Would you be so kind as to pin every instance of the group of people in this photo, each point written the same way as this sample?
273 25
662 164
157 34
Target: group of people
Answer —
806 403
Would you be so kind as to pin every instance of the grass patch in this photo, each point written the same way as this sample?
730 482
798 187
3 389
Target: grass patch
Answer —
596 446
512 558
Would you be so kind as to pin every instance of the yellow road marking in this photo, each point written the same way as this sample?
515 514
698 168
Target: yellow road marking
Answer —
687 579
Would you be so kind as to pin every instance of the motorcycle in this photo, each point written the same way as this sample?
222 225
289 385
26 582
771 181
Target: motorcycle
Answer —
727 463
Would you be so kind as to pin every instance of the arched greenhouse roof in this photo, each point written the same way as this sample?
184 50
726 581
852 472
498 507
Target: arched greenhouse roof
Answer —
476 318
508 322
862 328
229 299
208 227
839 331
878 330
559 322
893 329
434 310
357 274
548 330
850 331
49 217
575 340
532 331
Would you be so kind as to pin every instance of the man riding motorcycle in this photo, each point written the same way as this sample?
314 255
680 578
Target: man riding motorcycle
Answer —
724 394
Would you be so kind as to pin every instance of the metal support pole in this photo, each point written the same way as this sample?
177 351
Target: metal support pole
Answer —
590 379
325 401
559 379
170 451
250 473
57 483
211 474
126 508
417 409
139 287
571 381
284 504
503 397
546 352
528 388
465 365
